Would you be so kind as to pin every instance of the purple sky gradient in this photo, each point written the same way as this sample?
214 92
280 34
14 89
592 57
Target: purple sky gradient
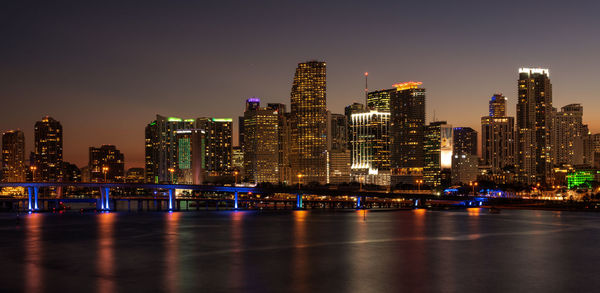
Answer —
106 69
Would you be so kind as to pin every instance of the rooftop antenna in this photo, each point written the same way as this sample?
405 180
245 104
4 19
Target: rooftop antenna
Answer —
367 90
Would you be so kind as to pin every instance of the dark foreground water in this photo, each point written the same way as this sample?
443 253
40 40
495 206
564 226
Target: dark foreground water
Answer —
301 251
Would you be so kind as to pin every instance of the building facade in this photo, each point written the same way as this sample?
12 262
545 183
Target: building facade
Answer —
309 122
498 137
261 143
371 147
107 164
13 156
534 122
48 150
465 141
437 148
407 124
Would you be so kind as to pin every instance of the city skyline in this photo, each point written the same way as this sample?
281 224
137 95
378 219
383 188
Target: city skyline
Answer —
96 76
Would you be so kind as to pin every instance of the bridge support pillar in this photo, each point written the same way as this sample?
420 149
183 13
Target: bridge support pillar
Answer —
359 202
36 191
235 203
29 202
171 198
105 198
299 204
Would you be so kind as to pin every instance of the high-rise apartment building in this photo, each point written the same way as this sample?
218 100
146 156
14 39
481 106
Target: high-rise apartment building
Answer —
437 147
465 141
48 150
498 136
534 122
107 164
309 119
13 156
570 137
284 141
371 147
407 123
498 105
348 111
261 143
161 147
219 144
191 156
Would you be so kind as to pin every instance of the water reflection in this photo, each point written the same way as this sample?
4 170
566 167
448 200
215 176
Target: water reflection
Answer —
33 253
360 253
237 245
300 263
106 252
172 252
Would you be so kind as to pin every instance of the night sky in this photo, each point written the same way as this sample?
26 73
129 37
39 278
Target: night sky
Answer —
105 70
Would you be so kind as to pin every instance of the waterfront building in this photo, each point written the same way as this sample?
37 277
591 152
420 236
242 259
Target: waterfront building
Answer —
219 144
498 136
71 173
339 166
534 122
309 119
407 123
13 156
107 164
464 141
191 156
284 142
135 175
261 143
572 140
465 168
371 147
160 147
437 147
48 150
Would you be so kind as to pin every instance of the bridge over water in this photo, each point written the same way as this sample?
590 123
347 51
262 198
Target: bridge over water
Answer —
227 194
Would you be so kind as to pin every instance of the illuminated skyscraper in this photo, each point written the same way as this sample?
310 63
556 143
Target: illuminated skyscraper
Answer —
13 156
437 151
571 137
534 119
498 105
161 147
309 119
191 145
284 141
407 123
106 156
465 141
48 155
219 145
380 100
498 136
261 143
371 147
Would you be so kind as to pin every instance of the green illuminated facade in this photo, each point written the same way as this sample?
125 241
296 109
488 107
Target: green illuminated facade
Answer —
579 179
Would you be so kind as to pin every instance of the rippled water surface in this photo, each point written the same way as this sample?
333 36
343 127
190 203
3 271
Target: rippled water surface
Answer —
301 251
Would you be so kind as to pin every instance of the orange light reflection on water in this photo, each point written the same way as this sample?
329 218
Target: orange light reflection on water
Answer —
172 252
106 253
300 263
33 253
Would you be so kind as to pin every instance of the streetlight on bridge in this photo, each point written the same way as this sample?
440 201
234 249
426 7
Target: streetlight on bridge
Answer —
33 169
473 184
105 171
172 170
